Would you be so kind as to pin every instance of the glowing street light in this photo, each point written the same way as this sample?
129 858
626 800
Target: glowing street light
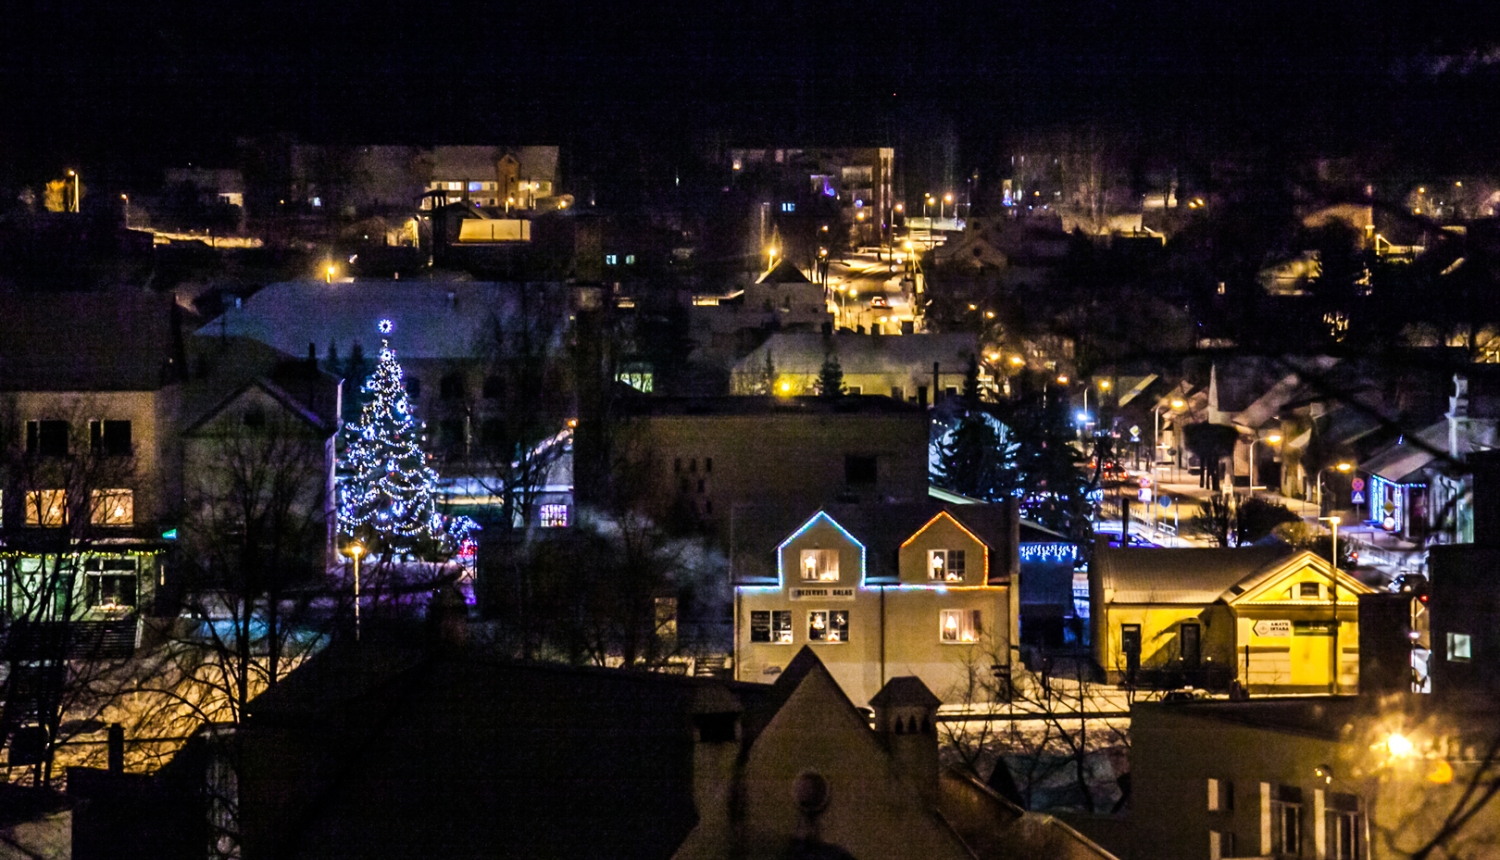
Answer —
328 273
1399 745
354 550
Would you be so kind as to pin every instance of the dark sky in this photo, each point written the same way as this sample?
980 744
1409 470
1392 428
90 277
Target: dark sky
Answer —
142 82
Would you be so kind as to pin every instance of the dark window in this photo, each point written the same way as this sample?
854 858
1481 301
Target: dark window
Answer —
708 508
47 438
451 387
110 437
1286 821
413 387
677 465
1191 642
1130 638
897 393
255 417
1307 590
451 434
110 582
858 469
491 432
773 626
693 465
708 464
700 485
494 388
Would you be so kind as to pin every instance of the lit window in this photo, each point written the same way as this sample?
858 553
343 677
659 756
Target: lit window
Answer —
317 202
476 186
774 626
1460 647
611 260
46 507
630 259
554 516
945 565
110 582
960 626
112 507
828 625
820 565
789 207
1220 795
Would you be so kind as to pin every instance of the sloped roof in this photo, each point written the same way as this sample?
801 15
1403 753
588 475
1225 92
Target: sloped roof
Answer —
111 341
432 319
905 691
1401 461
804 352
758 530
783 273
1188 576
1245 589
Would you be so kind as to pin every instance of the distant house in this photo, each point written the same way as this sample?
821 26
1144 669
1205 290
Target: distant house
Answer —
1266 617
878 591
917 368
704 456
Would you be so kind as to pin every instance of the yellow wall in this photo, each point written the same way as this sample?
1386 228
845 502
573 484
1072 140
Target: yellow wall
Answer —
1159 632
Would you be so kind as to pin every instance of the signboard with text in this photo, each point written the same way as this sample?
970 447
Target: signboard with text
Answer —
822 594
1273 627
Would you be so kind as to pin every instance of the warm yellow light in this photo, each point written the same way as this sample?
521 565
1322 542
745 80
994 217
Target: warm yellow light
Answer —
853 293
906 245
989 315
1178 403
786 387
1274 438
355 549
71 173
1419 190
993 356
947 198
1062 379
572 422
1104 384
973 307
1442 772
1017 360
1344 467
951 623
900 207
1458 185
1399 746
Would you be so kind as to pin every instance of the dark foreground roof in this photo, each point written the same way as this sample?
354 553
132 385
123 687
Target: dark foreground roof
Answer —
390 752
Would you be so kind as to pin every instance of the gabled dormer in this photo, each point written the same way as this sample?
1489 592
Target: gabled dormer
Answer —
819 555
1304 579
944 553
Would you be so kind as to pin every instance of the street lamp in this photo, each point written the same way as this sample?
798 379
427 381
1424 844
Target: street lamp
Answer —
1333 591
126 198
947 198
1342 466
354 550
1175 404
1272 438
73 206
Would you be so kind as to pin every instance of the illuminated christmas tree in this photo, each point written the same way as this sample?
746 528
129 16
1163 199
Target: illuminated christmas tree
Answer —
388 492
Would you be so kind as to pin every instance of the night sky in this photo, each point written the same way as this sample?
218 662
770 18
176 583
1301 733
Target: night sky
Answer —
137 84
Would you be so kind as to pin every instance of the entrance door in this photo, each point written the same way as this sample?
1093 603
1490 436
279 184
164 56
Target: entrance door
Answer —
1312 653
1190 640
1130 646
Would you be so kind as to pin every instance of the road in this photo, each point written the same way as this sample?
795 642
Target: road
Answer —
862 277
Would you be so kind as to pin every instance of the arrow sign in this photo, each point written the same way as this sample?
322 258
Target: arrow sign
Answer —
1267 627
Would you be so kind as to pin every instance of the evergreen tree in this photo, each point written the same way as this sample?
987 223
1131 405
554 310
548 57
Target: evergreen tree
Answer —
331 362
831 379
971 384
977 459
388 491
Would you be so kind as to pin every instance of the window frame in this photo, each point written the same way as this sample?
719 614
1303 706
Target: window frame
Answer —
1459 647
98 571
777 625
1286 823
953 566
820 570
965 621
40 503
102 501
47 437
835 628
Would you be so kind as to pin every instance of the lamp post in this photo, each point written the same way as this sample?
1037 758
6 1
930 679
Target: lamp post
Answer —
73 204
1333 591
1343 466
1175 404
1272 438
126 198
354 551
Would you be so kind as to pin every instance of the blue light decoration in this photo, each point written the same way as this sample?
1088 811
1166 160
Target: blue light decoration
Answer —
386 326
820 515
1050 553
386 485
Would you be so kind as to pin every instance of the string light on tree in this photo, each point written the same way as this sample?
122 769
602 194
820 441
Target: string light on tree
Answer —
388 492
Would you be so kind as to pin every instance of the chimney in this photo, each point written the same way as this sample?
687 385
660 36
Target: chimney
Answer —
906 720
115 741
717 736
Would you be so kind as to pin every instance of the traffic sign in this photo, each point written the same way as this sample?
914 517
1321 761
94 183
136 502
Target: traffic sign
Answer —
1268 627
1146 494
1357 499
1135 433
1357 484
1164 501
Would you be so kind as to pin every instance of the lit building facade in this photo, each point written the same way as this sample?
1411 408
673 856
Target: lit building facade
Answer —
882 591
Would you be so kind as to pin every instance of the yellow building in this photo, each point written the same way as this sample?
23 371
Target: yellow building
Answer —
878 591
1269 618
